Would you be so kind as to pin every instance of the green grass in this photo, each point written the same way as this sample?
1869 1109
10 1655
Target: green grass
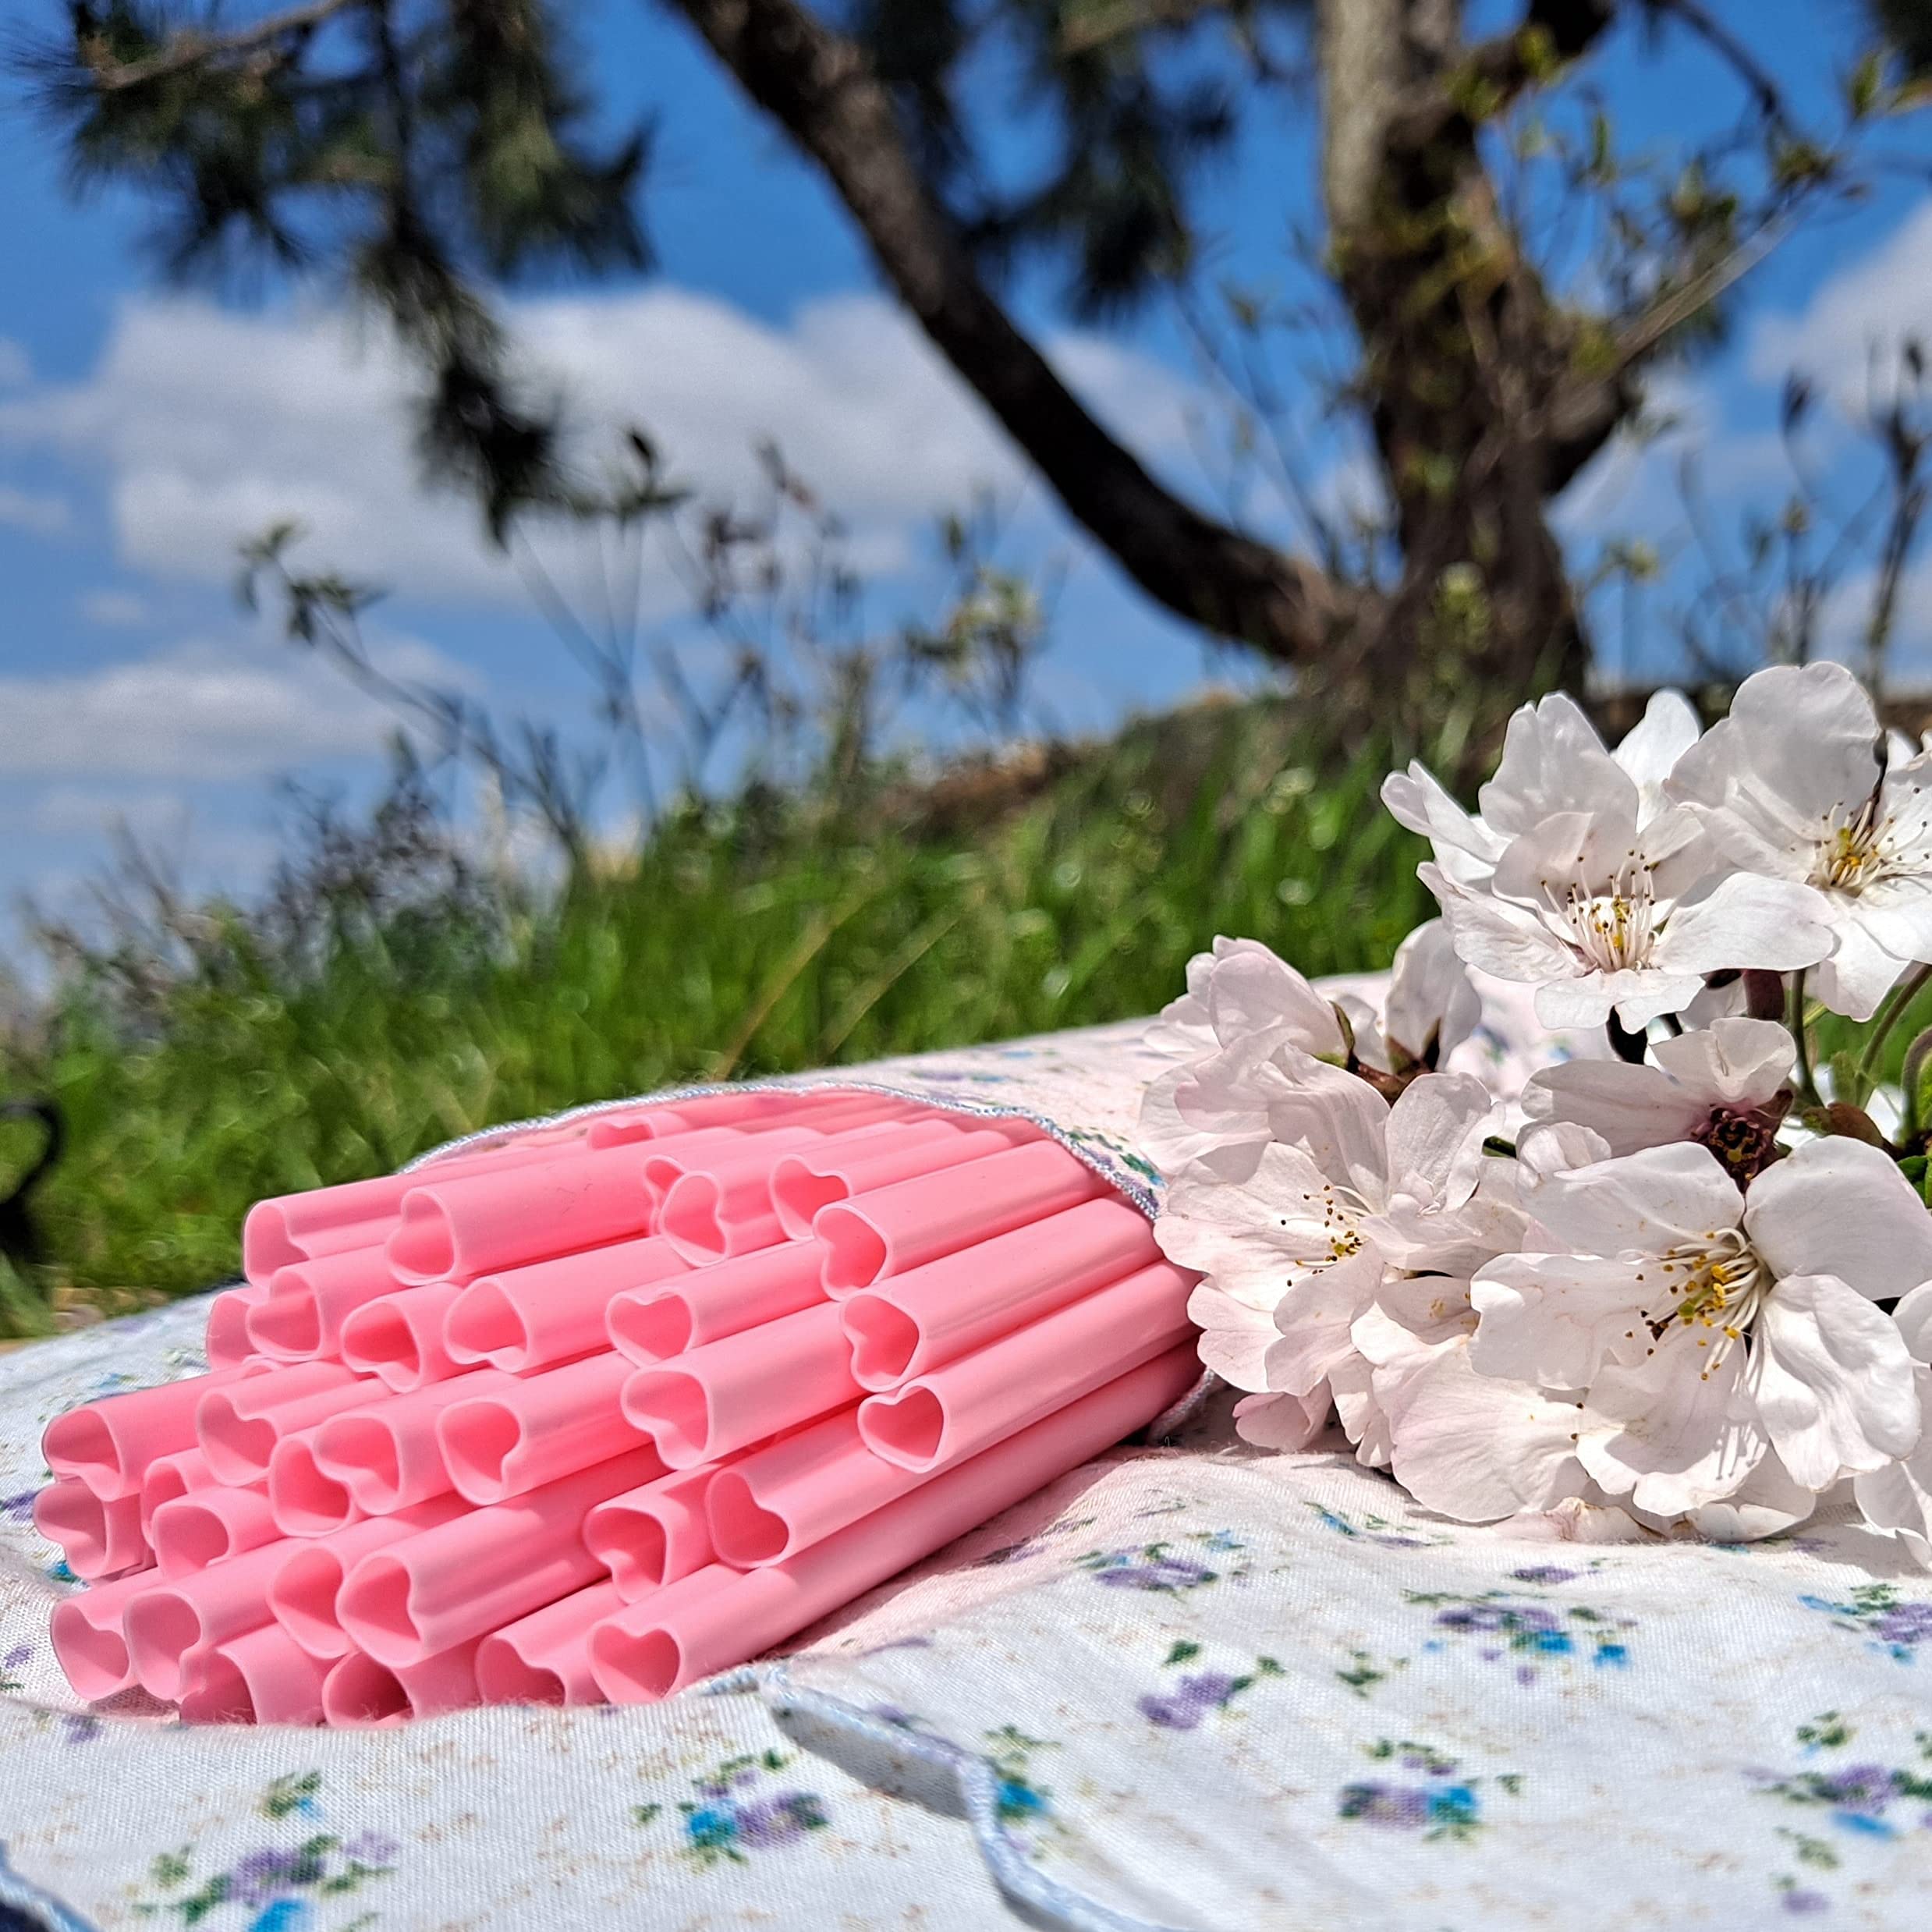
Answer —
724 951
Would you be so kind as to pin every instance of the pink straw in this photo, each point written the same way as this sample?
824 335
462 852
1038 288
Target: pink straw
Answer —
967 1405
303 1501
501 1444
718 1155
650 1325
398 1338
652 1536
914 1321
88 1642
171 1475
163 1624
309 1301
718 1617
292 1227
260 1677
730 1393
528 1318
544 1658
360 1691
303 1593
803 1183
96 1538
195 1530
895 1228
387 1454
769 1505
481 1570
109 1443
239 1428
227 1344
621 1127
474 1224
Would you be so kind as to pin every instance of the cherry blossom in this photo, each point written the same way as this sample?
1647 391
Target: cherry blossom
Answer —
1723 1087
1798 784
1431 1008
1707 1328
1898 1499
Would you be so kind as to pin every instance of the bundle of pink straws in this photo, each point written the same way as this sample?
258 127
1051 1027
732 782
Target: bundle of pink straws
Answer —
603 1409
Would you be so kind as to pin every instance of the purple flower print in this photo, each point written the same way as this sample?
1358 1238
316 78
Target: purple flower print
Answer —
370 1848
1803 1902
1191 1700
779 1820
1543 1573
1396 1807
1165 1573
262 1876
1909 1623
18 1508
16 1657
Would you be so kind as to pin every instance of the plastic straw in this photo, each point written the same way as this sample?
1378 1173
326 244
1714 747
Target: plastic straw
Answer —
308 1302
482 1569
227 1344
303 1592
966 1404
239 1428
89 1644
387 1454
108 1445
528 1318
398 1338
303 1501
876 1236
544 1658
508 1441
916 1320
653 1535
730 1393
171 1475
360 1691
204 1527
260 1677
475 1223
650 1325
163 1624
803 1183
97 1538
720 1617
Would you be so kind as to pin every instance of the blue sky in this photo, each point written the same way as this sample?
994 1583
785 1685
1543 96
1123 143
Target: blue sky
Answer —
143 432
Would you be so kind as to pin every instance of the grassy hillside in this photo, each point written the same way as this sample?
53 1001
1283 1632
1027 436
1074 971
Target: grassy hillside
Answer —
737 942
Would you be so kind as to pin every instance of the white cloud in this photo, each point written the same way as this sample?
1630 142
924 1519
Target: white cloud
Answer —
116 610
198 710
211 424
1869 305
16 367
39 516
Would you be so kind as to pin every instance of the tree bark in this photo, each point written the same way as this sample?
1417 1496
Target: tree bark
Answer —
1466 361
819 85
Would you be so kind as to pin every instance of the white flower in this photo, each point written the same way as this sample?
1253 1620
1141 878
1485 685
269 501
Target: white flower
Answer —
1722 1087
1474 1447
1791 787
1898 1499
1580 879
1241 1036
1291 1255
1431 1009
1708 1328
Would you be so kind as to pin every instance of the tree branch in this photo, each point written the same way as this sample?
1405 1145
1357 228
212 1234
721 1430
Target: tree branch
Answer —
819 87
188 49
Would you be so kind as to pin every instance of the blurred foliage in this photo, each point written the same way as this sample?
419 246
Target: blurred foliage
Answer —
239 1054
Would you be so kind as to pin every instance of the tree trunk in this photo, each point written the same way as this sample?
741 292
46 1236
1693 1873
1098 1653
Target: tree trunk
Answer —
1464 355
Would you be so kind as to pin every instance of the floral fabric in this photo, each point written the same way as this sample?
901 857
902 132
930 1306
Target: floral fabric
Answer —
1189 1687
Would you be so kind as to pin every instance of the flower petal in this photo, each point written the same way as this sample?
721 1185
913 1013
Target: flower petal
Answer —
1645 1203
1555 1319
1831 1380
1650 749
1837 1206
1666 1435
1747 921
1282 1422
